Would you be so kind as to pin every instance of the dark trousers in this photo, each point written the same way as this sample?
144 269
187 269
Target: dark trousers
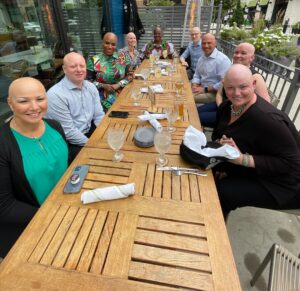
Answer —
190 73
75 149
208 114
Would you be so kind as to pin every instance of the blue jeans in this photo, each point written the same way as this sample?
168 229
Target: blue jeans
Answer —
208 114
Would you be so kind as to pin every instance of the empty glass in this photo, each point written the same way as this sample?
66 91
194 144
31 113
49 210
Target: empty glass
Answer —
172 115
162 143
145 73
136 95
115 139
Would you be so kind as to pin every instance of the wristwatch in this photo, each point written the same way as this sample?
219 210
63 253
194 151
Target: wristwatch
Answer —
206 89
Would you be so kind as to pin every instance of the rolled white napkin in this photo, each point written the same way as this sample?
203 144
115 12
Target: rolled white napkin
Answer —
152 119
157 88
108 193
155 124
147 116
164 73
162 63
144 90
195 139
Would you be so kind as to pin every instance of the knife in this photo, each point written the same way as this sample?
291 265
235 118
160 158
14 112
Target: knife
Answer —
173 168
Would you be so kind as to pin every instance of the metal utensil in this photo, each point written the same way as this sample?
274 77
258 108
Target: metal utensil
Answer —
180 172
173 168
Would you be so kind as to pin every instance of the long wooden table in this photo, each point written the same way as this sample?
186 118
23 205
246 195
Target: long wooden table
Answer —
170 235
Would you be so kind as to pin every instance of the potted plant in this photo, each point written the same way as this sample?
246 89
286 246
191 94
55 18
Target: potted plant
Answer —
296 28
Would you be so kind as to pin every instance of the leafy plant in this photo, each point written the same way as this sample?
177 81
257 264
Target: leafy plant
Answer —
272 43
296 25
234 33
238 15
161 3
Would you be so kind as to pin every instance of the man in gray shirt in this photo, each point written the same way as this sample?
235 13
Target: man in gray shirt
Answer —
75 103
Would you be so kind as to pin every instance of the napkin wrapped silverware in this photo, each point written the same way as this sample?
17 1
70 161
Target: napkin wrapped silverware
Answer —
108 193
152 119
157 88
147 116
174 168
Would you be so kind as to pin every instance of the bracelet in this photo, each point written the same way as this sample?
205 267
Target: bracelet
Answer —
246 161
98 85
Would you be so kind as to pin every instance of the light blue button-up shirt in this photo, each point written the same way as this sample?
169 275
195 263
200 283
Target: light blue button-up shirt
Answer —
210 70
195 52
75 108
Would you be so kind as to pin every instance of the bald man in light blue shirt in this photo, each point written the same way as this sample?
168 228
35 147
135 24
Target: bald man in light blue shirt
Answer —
210 71
75 103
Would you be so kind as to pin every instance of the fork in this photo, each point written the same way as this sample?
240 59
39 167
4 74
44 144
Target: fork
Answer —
180 172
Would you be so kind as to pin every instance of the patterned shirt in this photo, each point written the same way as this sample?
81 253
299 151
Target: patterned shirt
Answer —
135 60
194 52
103 69
152 48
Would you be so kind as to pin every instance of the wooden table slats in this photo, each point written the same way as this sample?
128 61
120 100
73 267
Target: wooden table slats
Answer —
169 235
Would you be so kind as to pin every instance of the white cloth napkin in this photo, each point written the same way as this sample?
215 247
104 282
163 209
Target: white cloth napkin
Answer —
152 119
162 63
139 76
144 90
164 73
108 193
157 88
147 116
155 124
194 139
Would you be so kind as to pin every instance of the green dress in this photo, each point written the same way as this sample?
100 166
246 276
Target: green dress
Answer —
103 69
45 159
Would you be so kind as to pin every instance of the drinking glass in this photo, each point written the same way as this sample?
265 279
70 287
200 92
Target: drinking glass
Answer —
136 95
162 143
152 60
151 95
157 72
115 139
165 54
172 115
145 73
178 86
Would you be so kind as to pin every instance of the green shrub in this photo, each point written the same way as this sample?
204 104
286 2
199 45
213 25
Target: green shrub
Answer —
161 3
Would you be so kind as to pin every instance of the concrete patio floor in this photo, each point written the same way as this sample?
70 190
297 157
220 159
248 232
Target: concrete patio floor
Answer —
252 232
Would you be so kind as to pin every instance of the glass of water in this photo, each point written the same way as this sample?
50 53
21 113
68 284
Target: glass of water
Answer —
136 95
162 143
115 139
172 115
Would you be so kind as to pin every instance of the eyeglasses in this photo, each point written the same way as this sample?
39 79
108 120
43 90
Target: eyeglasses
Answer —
192 34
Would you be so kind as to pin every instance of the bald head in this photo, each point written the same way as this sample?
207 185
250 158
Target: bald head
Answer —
75 68
195 35
110 41
244 54
71 57
247 46
237 71
24 87
131 40
157 33
239 85
109 35
28 102
208 43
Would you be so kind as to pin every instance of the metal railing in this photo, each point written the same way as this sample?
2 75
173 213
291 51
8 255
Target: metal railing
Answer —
283 82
